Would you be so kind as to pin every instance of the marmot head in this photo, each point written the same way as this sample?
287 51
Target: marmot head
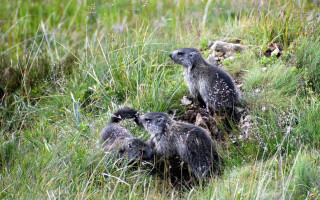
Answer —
124 113
185 56
154 122
137 150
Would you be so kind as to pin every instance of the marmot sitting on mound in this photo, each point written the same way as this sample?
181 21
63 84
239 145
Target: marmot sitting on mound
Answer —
117 138
208 84
191 143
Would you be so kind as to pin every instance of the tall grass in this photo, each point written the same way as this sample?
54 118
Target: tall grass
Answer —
66 66
308 59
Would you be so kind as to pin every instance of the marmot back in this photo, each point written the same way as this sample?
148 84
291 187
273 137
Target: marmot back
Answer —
191 143
207 83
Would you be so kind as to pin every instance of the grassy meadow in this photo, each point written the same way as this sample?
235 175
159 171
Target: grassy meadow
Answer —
65 66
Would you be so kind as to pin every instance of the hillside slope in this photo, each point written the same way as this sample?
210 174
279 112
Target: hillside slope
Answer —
65 66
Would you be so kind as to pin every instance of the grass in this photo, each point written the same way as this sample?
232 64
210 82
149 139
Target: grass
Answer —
66 66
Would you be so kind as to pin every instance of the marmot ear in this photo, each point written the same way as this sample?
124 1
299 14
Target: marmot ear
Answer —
160 120
192 56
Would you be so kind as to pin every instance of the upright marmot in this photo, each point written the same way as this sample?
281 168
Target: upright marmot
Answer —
115 138
191 143
207 83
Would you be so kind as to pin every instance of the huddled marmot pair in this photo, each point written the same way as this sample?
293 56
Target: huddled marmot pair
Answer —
169 138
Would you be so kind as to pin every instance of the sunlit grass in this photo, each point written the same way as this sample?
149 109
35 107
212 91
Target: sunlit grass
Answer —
65 66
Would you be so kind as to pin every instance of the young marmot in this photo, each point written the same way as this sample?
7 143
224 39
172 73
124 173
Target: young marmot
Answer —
115 138
191 143
208 84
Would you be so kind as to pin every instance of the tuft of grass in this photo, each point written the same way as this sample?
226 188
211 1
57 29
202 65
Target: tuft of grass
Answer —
306 176
276 177
308 59
66 66
278 22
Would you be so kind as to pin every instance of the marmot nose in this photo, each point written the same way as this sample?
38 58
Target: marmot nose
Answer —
171 55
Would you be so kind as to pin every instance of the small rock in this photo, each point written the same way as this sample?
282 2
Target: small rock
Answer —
229 48
228 54
185 101
232 40
275 52
257 90
240 137
232 58
239 110
273 49
200 122
239 86
212 59
263 69
219 54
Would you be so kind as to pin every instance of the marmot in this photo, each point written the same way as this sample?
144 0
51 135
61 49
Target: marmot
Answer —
117 138
191 143
208 84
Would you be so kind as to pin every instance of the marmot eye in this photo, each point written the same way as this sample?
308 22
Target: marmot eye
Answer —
180 53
